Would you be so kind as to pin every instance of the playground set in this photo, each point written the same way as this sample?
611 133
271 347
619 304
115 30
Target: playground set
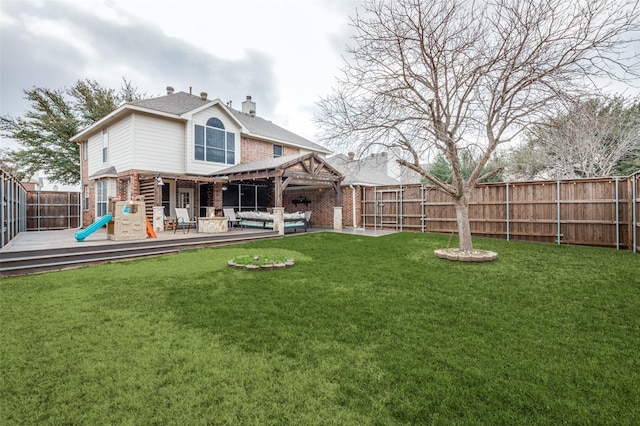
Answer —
125 221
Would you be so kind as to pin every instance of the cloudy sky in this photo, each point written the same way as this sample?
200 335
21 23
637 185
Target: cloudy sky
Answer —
284 53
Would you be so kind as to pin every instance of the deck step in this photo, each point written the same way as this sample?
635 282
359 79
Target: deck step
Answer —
36 261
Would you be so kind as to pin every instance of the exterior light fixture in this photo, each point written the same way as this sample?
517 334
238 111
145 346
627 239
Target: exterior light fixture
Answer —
159 181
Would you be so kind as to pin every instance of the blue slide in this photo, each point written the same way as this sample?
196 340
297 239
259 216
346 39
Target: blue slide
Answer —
80 236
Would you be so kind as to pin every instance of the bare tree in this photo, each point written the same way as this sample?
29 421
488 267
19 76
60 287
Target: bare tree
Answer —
591 139
434 76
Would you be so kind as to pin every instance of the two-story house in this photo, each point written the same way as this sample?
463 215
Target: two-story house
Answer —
187 151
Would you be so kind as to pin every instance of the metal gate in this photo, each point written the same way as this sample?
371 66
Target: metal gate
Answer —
388 208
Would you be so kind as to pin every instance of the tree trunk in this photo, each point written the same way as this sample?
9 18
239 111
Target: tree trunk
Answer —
464 228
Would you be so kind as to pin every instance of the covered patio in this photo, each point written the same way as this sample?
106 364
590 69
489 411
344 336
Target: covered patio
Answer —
294 183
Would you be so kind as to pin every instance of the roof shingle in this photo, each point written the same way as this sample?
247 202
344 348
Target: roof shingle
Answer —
181 102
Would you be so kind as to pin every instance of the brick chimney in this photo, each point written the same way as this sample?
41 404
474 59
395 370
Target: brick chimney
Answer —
249 107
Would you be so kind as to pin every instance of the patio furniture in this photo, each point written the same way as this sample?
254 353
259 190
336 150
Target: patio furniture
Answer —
264 220
169 223
230 214
307 217
183 220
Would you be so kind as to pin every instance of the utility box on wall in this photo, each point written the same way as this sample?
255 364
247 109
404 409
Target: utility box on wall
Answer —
129 220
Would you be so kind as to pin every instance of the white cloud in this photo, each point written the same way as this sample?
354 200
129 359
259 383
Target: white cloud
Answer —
282 52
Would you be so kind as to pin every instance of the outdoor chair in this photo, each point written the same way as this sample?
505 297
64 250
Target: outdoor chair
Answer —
307 217
230 214
183 221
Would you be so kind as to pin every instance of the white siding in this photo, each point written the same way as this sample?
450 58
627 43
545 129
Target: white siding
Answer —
120 145
203 167
119 148
145 142
159 144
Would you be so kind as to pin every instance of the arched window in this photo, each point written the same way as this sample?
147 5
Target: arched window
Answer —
213 143
215 122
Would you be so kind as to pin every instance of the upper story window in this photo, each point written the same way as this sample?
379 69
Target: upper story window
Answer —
277 151
214 144
105 145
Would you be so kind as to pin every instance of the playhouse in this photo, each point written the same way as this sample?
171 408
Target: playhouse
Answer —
128 219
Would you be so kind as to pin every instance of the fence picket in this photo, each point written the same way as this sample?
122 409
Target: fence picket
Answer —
597 211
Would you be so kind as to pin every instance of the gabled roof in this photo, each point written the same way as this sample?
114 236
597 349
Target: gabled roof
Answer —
301 168
180 105
177 103
360 173
266 129
109 172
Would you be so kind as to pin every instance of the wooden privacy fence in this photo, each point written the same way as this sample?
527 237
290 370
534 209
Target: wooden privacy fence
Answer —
597 212
50 210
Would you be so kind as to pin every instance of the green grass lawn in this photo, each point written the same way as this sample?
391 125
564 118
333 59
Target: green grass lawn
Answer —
360 331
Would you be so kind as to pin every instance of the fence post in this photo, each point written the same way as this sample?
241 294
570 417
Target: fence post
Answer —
422 201
399 207
2 207
558 213
375 208
617 213
634 196
507 207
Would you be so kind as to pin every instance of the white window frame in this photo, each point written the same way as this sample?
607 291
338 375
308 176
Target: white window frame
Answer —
86 197
105 145
102 197
203 145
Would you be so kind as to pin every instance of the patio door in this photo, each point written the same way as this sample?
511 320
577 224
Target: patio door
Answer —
185 200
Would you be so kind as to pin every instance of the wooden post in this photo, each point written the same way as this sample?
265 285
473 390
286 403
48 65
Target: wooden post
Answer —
277 191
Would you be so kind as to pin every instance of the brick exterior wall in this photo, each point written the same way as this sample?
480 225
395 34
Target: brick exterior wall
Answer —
128 184
255 149
217 198
347 206
322 204
88 216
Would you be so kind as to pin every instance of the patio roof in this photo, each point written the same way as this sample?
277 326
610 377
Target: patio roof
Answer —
301 169
297 170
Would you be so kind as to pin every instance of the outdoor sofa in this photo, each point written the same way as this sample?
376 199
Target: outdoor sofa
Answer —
264 220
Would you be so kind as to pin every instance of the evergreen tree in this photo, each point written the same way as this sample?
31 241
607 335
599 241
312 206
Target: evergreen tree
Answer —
55 116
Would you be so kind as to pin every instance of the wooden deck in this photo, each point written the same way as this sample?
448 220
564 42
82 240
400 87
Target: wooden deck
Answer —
42 251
